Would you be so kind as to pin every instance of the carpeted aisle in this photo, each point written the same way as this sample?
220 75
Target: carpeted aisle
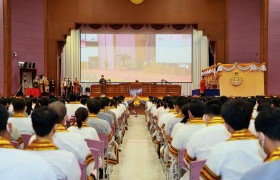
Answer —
138 159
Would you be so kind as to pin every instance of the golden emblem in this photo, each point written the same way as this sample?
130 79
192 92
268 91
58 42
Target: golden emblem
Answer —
136 1
236 80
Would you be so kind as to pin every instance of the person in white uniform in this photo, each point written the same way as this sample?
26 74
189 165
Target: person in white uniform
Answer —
73 105
19 118
81 127
69 141
64 163
241 152
268 131
17 164
214 133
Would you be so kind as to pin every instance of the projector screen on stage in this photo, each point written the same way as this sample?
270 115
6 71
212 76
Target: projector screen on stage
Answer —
131 57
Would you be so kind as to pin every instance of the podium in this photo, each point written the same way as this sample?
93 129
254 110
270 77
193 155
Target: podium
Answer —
245 79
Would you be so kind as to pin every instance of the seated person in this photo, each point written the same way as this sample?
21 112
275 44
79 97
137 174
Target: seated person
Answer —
214 133
81 127
19 118
195 110
267 126
240 153
103 127
104 102
69 141
16 163
64 163
73 105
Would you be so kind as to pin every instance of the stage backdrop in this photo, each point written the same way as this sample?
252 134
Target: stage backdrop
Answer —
126 57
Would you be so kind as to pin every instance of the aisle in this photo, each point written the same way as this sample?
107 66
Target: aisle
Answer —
138 159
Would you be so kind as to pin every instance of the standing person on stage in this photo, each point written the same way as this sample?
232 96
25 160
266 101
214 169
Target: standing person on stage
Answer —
52 86
70 86
47 85
42 85
202 86
64 85
102 82
36 82
76 86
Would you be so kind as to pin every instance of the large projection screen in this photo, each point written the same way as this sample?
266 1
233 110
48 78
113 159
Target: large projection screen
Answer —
131 57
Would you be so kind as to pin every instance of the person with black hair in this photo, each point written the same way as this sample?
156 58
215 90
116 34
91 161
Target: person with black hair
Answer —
102 127
267 126
170 123
195 122
184 132
12 159
240 153
19 118
209 136
44 101
69 141
73 105
81 127
64 163
104 102
29 108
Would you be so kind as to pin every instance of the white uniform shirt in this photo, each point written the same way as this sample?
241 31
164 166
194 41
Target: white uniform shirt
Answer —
86 132
72 108
183 135
62 162
23 124
203 140
75 144
231 159
17 164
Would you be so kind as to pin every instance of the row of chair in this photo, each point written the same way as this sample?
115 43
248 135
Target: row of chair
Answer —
194 167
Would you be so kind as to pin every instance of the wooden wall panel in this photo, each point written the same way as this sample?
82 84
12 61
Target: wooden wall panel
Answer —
63 14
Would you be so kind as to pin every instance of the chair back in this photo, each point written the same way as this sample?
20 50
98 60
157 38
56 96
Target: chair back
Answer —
181 161
83 168
15 144
26 139
104 138
99 145
195 168
95 154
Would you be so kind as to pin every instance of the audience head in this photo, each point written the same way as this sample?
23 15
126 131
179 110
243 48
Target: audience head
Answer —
43 121
180 102
275 102
28 107
171 103
81 115
185 112
72 97
212 109
196 109
237 114
19 105
264 105
4 116
61 111
84 101
105 101
44 101
93 106
267 125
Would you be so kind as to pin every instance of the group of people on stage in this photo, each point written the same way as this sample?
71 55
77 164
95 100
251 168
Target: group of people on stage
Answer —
58 143
46 86
235 138
69 87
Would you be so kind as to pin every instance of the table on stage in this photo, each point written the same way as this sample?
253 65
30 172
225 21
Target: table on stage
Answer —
208 92
33 91
142 89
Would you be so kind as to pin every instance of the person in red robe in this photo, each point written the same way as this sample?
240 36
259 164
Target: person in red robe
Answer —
76 86
202 86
